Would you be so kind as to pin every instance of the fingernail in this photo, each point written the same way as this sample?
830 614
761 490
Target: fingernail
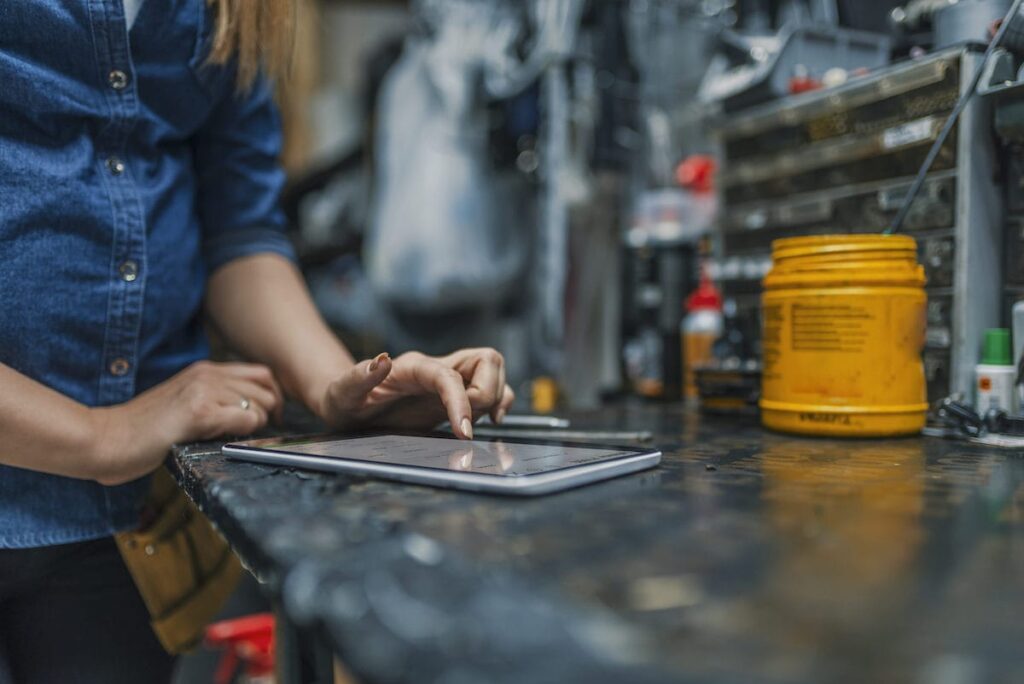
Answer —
467 428
499 416
377 360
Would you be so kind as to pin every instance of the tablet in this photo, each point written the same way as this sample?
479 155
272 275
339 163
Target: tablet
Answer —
505 466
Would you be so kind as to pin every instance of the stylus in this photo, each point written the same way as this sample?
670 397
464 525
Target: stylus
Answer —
570 435
528 421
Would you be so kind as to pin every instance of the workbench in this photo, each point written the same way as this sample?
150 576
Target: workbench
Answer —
746 556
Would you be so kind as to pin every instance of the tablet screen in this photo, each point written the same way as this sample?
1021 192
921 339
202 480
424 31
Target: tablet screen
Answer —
494 458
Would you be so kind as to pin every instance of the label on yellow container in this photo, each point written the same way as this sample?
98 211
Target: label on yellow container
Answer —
842 339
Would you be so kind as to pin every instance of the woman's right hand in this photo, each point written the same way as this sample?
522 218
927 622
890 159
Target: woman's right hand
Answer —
204 401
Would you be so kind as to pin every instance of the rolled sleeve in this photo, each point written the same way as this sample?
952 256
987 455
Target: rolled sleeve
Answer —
239 178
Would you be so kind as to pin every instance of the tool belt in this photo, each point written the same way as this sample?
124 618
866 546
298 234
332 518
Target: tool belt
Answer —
183 568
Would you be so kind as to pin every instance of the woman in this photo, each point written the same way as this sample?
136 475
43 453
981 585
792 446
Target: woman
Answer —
138 188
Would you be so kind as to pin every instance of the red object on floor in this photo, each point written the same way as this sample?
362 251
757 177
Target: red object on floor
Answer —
247 642
803 84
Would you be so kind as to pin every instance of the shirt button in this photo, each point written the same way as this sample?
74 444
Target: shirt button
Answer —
129 271
115 165
119 366
117 79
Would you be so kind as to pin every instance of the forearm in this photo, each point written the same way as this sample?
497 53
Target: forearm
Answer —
43 430
261 306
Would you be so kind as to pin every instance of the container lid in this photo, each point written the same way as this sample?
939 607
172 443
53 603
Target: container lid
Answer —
705 297
697 173
996 349
819 245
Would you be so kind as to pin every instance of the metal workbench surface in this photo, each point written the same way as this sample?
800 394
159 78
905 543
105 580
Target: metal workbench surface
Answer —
745 557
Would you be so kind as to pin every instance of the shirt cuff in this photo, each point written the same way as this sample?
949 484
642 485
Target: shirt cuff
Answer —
227 247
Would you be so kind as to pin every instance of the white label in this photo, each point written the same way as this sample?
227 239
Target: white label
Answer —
907 134
995 388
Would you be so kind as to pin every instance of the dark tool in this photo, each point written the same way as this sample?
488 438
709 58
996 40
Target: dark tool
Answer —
961 417
966 420
1001 423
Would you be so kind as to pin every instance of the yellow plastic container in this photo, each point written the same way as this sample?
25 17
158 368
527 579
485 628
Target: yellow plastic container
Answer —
843 327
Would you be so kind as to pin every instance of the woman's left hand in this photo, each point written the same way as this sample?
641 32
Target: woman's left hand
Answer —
416 391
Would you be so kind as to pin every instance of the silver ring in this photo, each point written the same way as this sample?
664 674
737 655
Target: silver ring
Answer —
244 403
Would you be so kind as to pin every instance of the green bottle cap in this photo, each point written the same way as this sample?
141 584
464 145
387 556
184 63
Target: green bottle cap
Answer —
996 350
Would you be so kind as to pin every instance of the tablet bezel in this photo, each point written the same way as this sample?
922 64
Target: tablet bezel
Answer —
268 451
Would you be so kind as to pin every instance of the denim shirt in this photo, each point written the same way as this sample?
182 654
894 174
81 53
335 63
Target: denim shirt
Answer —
129 170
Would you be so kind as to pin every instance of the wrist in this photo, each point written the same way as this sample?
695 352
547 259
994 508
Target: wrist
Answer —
101 447
118 452
312 394
312 390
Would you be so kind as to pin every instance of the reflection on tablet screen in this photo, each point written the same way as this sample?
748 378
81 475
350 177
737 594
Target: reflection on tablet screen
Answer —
495 458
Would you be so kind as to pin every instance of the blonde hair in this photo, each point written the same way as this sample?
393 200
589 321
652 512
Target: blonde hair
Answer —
260 34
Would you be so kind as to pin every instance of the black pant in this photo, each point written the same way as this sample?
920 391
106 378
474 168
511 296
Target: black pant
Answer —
72 614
